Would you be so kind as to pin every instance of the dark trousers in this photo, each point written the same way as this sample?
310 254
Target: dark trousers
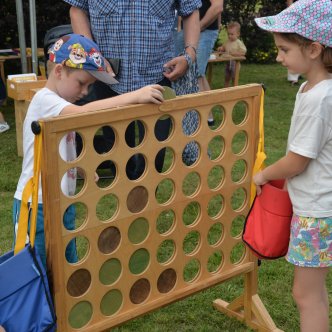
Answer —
136 165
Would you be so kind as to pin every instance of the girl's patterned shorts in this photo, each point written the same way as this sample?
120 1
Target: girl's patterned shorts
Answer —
310 242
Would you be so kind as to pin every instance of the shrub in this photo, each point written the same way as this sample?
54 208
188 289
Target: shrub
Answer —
259 43
49 14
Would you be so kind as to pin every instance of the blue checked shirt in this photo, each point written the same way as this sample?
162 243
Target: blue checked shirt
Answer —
138 32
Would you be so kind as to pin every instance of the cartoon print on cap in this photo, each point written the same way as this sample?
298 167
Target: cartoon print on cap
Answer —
79 52
56 47
77 56
97 58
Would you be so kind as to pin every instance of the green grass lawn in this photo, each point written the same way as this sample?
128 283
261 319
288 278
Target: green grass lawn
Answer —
196 312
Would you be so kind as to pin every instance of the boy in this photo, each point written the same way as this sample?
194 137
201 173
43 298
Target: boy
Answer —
233 46
75 63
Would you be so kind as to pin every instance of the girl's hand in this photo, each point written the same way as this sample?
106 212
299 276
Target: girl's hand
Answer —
150 94
259 180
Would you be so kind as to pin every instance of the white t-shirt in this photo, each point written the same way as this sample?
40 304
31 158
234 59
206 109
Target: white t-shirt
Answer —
44 104
310 135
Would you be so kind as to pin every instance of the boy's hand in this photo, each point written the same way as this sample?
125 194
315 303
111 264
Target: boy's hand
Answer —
259 180
221 49
150 94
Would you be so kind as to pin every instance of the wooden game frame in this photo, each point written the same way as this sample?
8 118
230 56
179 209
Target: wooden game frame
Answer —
158 283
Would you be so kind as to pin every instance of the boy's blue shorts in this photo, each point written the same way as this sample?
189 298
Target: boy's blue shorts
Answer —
69 223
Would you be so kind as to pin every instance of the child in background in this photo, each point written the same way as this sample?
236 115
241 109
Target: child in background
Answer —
233 46
303 36
75 63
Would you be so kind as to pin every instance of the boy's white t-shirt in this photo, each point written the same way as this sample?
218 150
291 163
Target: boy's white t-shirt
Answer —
44 104
310 135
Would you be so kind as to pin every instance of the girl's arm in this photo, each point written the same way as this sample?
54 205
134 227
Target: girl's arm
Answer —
287 167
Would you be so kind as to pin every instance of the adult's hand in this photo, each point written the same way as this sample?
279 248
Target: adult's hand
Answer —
175 68
108 70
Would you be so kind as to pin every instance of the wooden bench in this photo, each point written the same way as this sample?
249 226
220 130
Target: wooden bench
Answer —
22 93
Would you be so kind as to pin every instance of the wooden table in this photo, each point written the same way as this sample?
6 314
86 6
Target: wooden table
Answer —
4 58
224 58
22 93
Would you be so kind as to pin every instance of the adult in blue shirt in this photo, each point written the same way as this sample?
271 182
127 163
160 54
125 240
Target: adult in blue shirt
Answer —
138 33
209 14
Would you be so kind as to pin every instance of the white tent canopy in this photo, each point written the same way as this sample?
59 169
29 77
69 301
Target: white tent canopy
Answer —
21 35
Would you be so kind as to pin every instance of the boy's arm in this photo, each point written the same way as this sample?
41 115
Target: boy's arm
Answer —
147 94
287 167
221 48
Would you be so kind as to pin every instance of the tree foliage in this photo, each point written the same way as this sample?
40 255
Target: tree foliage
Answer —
49 14
259 43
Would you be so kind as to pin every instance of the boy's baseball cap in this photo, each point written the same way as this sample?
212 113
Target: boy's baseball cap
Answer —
311 19
77 51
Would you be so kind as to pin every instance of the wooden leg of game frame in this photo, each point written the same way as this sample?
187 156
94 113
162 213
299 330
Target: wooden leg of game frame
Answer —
248 307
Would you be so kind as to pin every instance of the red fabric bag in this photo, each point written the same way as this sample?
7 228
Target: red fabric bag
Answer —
267 226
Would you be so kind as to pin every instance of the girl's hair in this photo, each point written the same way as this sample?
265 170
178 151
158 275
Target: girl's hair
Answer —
303 42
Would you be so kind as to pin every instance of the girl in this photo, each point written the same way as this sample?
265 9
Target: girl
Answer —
303 36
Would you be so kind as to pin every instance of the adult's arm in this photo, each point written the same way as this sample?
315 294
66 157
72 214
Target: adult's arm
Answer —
80 22
212 13
191 36
191 33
